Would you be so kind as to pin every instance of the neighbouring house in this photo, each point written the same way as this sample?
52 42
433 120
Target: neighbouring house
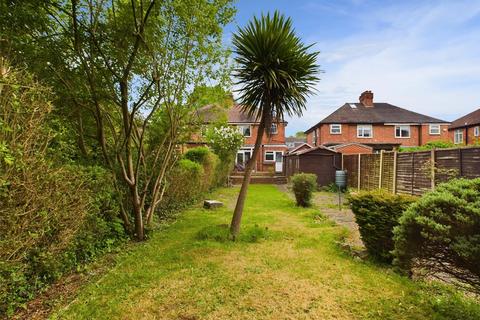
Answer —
466 130
273 148
381 126
321 161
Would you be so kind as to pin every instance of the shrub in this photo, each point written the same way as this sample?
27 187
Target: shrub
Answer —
183 187
440 234
53 217
198 154
377 213
303 186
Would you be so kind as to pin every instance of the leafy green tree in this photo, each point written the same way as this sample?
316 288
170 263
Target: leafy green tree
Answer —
300 134
118 65
276 73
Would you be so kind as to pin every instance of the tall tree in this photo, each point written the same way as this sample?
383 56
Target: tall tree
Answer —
122 64
276 74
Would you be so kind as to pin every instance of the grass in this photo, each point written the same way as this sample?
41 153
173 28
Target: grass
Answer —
285 265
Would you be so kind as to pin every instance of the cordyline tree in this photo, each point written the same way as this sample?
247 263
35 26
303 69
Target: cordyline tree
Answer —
124 64
276 74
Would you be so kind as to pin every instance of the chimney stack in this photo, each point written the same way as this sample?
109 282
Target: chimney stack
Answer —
366 98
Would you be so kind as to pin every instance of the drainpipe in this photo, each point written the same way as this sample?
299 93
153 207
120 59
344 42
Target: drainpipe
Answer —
420 135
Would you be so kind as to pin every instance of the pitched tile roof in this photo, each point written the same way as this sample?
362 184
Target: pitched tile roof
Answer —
470 119
235 114
378 113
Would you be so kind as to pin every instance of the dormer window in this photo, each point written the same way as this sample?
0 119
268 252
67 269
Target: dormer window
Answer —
335 129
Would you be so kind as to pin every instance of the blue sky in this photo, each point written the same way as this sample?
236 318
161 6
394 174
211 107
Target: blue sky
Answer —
420 55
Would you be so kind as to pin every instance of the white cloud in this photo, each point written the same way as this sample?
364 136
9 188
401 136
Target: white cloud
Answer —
423 58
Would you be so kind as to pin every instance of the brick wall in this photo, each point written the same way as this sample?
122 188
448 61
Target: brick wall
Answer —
382 134
354 149
471 139
278 138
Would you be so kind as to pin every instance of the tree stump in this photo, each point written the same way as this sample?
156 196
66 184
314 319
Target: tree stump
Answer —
212 204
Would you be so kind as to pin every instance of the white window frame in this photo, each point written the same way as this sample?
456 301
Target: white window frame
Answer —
458 136
476 131
432 126
265 156
402 127
276 128
335 128
361 131
241 129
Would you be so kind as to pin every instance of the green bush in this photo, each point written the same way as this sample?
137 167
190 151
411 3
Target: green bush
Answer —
304 184
198 154
377 213
440 234
429 146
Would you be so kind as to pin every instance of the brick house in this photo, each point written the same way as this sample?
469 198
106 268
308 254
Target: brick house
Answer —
381 126
466 130
273 148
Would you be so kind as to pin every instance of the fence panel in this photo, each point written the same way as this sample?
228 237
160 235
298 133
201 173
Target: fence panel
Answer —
350 163
470 161
422 172
447 165
370 171
413 172
387 171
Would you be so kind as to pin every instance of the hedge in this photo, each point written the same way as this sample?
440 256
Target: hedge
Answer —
377 213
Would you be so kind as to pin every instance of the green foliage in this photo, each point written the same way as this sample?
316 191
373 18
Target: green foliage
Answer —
216 95
441 233
224 141
300 134
274 67
54 216
303 185
377 213
429 146
198 154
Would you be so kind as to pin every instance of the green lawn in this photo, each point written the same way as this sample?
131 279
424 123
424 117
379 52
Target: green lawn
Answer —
293 270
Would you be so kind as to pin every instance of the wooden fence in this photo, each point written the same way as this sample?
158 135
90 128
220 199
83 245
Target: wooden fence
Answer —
410 172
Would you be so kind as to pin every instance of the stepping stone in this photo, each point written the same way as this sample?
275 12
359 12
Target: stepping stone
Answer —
212 204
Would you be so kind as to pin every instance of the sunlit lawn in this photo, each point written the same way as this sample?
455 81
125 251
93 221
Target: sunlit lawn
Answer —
293 270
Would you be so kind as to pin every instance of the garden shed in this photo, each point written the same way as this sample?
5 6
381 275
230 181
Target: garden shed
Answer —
320 160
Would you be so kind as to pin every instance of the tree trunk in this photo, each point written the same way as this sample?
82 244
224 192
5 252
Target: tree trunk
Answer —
237 214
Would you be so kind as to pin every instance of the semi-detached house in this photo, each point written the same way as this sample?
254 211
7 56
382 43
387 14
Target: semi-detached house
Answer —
381 126
272 149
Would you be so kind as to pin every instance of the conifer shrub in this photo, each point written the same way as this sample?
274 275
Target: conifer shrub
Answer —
440 234
377 213
303 185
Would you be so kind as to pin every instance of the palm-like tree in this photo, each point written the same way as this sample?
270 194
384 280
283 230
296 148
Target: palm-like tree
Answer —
276 74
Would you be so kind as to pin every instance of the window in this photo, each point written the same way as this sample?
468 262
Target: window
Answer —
335 129
315 136
364 131
245 130
402 131
269 156
434 129
476 131
458 137
273 128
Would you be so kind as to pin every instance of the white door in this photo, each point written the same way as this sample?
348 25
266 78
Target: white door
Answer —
278 161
